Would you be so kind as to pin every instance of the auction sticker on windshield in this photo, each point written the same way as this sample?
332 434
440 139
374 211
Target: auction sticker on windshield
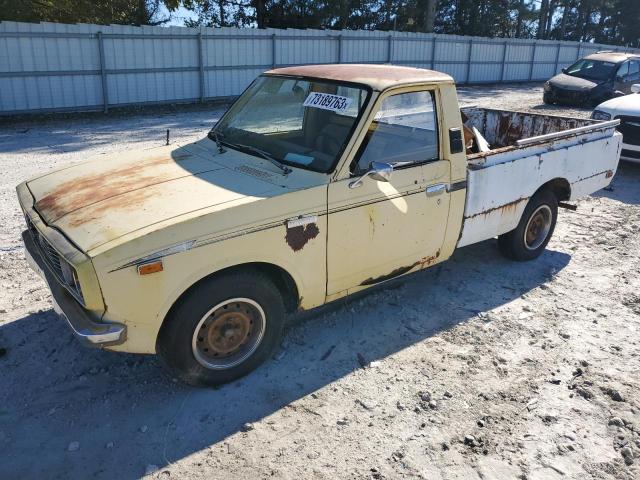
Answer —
327 101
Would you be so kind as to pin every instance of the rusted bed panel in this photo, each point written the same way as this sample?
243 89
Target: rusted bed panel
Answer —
500 182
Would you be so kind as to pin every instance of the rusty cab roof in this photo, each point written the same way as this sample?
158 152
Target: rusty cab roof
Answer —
378 77
613 57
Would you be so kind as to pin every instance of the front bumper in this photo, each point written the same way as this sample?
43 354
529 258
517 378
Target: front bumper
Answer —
89 330
630 153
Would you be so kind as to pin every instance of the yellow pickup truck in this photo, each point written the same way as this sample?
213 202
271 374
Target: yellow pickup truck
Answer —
318 182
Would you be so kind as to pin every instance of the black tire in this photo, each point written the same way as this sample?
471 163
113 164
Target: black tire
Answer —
542 208
180 349
547 98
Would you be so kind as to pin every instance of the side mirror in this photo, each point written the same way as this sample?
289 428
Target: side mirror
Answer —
564 70
635 88
619 78
378 171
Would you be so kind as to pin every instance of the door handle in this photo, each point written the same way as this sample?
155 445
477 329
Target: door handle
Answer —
436 189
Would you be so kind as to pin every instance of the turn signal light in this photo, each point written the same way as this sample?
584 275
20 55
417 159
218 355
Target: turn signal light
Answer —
151 267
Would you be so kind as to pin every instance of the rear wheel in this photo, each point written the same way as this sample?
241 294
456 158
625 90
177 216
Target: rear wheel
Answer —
529 239
222 329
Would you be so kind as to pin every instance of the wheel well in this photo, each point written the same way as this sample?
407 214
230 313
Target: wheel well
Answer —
280 277
560 188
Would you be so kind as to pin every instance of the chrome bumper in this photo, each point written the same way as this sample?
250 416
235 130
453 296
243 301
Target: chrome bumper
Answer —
89 331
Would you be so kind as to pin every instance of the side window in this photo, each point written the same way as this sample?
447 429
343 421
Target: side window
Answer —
623 71
634 70
404 132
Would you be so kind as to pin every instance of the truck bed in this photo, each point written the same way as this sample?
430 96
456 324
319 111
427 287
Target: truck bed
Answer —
526 151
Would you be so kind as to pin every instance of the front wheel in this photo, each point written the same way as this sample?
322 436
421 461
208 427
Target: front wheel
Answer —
222 329
531 236
547 98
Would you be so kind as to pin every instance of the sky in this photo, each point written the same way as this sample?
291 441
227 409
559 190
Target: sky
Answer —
177 18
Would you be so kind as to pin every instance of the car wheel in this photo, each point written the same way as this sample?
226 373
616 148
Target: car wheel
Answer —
547 98
529 239
222 329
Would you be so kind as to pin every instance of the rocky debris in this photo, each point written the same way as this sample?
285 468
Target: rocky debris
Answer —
144 429
109 445
247 427
616 421
151 469
612 393
363 404
73 446
628 455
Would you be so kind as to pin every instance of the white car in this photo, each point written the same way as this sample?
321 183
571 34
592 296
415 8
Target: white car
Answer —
627 109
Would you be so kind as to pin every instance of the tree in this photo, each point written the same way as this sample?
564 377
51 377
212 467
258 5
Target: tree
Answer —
127 12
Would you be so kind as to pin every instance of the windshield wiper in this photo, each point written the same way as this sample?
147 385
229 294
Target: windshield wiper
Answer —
215 136
267 156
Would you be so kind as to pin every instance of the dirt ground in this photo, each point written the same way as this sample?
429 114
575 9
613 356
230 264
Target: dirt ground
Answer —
480 368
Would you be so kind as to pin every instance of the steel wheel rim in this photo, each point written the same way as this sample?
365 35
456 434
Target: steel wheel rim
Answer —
538 227
228 333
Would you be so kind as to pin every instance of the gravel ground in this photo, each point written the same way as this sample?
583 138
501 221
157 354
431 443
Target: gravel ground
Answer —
478 368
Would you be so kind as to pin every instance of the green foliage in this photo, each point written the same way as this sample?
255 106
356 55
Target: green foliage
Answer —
127 12
602 21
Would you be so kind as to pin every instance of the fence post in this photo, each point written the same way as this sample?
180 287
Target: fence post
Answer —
273 50
433 52
469 61
555 71
533 60
340 48
390 49
201 67
579 48
103 74
504 61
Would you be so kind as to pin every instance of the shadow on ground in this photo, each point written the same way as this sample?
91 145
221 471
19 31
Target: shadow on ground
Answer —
126 414
625 186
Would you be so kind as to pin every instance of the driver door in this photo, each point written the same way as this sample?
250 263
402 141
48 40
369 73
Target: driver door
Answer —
378 230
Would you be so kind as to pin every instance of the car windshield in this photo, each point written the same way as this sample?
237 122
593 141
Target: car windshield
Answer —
592 69
297 122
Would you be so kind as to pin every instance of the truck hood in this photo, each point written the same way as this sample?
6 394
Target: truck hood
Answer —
627 105
98 201
568 82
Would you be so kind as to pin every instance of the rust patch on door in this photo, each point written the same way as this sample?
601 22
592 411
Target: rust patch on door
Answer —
394 273
422 263
428 261
297 237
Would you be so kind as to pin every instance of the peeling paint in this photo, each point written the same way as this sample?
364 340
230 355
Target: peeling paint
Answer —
91 189
422 263
297 237
507 207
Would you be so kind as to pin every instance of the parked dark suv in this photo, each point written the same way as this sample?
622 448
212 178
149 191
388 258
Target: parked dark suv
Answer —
594 79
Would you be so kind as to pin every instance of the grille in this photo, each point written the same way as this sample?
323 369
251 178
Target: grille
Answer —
569 95
630 129
630 154
55 262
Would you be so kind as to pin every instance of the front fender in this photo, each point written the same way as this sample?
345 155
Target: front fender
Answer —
143 301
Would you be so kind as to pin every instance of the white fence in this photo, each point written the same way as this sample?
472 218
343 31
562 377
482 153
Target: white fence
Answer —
55 67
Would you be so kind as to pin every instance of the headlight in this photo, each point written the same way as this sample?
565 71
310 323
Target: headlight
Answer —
547 86
599 115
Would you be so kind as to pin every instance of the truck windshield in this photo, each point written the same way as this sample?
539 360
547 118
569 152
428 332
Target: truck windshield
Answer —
592 69
303 123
